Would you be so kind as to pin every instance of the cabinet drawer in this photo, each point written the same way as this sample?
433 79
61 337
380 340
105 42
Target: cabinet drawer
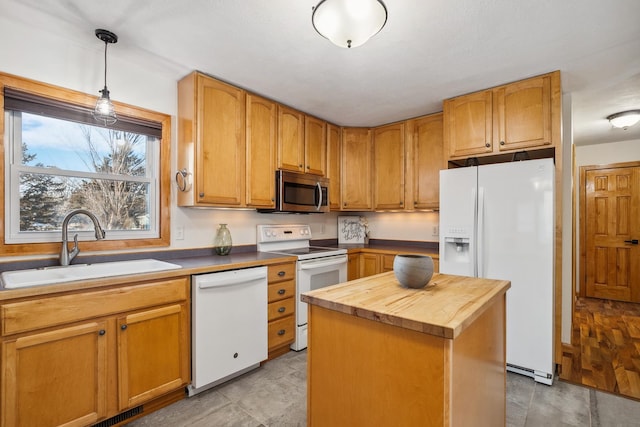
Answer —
280 272
281 308
281 331
51 311
278 291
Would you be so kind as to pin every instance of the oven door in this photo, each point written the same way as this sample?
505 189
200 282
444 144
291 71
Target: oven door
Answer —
315 274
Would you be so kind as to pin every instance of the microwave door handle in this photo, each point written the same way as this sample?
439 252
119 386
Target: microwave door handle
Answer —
320 196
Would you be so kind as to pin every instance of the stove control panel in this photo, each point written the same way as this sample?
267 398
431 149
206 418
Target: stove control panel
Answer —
283 233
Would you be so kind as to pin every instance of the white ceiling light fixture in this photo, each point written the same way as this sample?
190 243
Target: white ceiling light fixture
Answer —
349 23
105 112
624 119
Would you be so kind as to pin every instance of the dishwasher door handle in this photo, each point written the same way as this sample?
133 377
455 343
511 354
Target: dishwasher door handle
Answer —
318 264
232 281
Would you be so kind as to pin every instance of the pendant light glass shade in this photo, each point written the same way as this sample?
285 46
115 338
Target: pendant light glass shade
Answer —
624 119
105 113
349 23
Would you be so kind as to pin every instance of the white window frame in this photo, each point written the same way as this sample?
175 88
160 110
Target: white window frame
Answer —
13 168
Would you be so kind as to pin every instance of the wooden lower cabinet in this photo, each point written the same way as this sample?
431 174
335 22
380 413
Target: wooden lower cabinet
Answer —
367 263
282 307
78 359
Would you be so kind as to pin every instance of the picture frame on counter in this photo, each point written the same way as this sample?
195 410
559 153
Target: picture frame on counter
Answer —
350 230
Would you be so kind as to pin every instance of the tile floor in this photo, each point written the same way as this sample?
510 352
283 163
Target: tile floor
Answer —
275 395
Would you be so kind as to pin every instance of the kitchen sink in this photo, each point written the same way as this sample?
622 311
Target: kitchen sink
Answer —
51 275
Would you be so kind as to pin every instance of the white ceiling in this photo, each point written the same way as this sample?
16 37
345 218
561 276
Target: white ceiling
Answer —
429 50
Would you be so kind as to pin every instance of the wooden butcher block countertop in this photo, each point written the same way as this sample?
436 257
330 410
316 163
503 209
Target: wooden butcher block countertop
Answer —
444 308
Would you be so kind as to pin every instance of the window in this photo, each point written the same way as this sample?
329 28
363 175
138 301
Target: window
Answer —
58 159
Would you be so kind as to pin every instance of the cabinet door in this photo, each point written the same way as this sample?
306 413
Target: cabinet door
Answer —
334 137
220 159
388 161
523 114
353 266
369 264
290 139
55 378
355 185
315 146
468 124
261 152
153 353
428 160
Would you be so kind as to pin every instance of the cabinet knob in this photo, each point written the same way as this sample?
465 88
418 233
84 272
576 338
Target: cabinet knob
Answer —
281 332
123 327
235 355
281 310
102 332
345 204
281 291
300 165
401 203
415 203
281 273
307 167
487 145
201 194
501 142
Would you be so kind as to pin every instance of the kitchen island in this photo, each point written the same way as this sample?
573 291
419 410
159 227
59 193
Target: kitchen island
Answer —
381 354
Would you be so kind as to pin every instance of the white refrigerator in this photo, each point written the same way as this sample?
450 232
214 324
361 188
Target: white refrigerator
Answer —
497 222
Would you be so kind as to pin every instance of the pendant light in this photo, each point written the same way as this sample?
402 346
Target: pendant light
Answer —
624 119
349 23
104 112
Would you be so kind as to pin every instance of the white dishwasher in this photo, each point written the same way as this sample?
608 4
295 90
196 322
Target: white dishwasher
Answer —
229 325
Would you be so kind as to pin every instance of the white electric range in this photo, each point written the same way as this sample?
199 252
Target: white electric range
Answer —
317 266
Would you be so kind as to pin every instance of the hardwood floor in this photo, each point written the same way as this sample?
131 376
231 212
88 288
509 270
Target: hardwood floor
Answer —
606 347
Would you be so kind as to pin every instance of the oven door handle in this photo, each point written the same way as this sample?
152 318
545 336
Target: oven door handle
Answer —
319 196
319 264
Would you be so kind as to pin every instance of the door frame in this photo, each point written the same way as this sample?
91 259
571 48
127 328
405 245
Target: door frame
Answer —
582 275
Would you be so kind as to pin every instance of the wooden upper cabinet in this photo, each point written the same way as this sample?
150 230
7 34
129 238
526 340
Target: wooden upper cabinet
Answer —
315 146
334 137
211 117
388 160
261 152
290 139
356 164
523 114
515 116
468 127
426 161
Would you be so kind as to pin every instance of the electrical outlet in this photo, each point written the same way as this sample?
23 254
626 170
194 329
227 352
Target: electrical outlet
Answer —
435 230
180 232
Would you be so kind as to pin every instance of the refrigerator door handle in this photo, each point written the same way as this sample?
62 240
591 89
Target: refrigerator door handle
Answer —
474 240
480 243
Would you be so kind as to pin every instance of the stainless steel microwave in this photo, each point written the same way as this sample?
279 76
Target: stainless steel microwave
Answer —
300 193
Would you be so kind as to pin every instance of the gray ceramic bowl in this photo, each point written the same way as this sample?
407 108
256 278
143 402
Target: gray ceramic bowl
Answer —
413 271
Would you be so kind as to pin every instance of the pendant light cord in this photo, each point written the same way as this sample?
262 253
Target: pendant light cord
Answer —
105 64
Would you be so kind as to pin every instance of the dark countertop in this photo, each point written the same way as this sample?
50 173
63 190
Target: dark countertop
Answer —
190 266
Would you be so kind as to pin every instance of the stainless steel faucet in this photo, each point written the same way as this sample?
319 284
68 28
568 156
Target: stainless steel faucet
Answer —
65 255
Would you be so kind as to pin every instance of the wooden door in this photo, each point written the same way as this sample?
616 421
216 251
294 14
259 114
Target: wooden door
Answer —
428 160
334 136
388 161
611 230
523 114
153 354
261 152
220 161
55 378
468 124
290 139
355 190
315 146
